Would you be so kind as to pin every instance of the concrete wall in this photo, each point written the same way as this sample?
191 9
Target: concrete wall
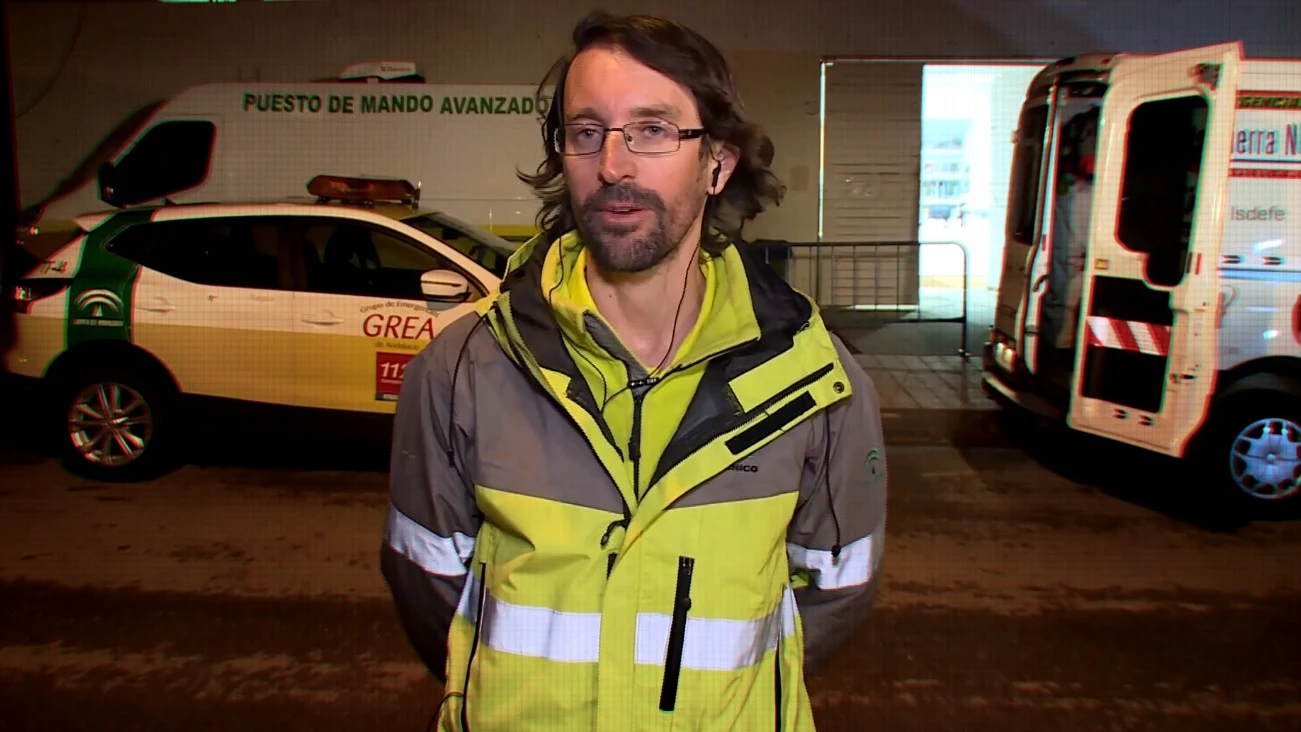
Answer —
81 68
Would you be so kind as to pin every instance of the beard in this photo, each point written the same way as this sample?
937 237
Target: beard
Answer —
641 245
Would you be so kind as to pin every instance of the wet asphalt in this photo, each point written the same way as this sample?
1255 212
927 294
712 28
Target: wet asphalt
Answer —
1032 582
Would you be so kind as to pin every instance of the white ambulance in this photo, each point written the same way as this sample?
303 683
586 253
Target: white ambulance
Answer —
220 142
1151 287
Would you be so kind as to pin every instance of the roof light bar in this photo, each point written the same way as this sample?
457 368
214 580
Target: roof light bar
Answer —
363 190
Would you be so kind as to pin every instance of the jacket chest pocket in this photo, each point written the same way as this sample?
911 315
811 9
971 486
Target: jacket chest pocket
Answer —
677 634
721 659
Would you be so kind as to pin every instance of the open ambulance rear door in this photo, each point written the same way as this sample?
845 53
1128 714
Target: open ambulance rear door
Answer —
1146 358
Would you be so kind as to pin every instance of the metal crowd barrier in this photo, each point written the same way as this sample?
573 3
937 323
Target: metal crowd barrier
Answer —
877 276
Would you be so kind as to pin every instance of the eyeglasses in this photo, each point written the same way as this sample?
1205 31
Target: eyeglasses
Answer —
642 138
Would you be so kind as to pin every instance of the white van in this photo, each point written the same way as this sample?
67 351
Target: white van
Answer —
220 142
1152 293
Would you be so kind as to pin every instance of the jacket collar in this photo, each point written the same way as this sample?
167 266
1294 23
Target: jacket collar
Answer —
796 381
751 303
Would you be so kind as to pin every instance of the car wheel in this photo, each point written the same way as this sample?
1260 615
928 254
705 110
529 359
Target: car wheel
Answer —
116 426
1252 454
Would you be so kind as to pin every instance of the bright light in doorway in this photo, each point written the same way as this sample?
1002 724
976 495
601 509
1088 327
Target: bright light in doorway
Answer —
822 142
969 114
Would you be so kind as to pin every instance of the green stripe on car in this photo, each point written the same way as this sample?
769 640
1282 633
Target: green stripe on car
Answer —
100 299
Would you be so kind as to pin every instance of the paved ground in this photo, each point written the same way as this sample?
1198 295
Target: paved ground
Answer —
1051 589
926 382
931 328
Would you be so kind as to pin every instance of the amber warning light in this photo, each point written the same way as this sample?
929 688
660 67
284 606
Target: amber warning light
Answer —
364 190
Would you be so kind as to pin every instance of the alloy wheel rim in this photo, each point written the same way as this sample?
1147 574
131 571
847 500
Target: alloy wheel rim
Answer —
110 424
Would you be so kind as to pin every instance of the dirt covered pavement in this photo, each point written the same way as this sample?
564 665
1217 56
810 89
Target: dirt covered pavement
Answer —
1016 597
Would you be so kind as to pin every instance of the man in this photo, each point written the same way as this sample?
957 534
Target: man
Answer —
1076 207
645 488
1071 211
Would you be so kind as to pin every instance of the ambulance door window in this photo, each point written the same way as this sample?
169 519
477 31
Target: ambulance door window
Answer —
1163 157
171 157
1025 174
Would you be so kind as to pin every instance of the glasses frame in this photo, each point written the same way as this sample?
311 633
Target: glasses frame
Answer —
684 133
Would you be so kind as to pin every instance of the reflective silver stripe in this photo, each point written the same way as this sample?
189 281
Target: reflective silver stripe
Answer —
856 566
441 555
709 644
537 632
715 644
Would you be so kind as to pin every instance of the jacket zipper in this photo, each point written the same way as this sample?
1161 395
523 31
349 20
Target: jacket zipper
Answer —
634 454
634 447
474 646
677 635
634 443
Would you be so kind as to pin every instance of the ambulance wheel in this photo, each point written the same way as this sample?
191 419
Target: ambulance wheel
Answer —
1253 450
116 425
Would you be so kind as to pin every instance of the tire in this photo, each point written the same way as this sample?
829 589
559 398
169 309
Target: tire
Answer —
1268 485
150 409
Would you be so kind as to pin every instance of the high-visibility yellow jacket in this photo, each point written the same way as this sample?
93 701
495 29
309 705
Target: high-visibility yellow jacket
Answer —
679 560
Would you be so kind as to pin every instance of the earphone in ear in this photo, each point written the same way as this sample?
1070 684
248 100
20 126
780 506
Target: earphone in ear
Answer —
717 169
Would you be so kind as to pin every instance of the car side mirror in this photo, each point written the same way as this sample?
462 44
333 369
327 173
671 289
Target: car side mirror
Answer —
444 285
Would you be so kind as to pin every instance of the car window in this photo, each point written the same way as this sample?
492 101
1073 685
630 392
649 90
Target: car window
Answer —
487 250
345 257
226 251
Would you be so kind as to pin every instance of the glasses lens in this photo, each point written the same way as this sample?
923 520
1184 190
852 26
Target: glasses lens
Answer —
652 137
641 137
582 139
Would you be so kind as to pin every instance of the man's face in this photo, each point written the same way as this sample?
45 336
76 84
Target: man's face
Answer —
632 210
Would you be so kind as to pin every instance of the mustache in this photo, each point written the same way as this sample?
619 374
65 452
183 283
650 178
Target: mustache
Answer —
625 195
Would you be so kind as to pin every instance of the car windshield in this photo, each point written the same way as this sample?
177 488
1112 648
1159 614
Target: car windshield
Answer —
448 230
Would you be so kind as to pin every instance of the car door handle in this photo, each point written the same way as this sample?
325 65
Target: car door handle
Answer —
157 305
325 317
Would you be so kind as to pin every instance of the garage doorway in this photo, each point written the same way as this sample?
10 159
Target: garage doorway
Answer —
915 150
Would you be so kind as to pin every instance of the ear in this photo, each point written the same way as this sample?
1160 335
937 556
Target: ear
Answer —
723 157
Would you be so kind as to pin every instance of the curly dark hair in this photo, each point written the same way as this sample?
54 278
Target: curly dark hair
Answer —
689 59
